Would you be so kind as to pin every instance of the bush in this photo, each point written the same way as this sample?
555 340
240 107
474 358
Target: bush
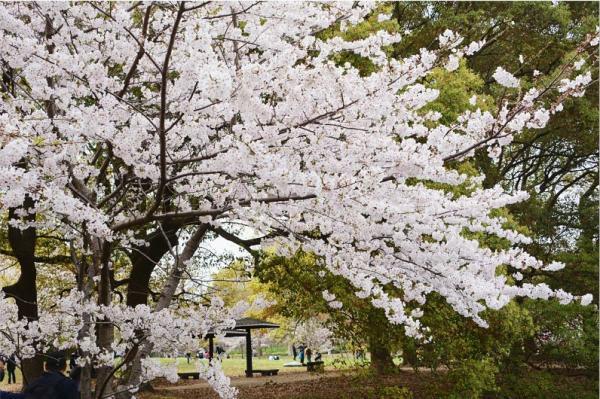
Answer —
532 384
395 393
471 379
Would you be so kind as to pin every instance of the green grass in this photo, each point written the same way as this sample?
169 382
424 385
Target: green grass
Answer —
280 350
4 383
236 365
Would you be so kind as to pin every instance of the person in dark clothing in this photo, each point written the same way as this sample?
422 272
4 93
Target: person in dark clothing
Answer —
75 375
2 367
74 369
11 366
308 353
220 352
73 361
294 351
52 384
318 356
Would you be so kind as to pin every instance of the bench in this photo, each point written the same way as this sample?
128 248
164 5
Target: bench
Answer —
262 372
186 376
318 366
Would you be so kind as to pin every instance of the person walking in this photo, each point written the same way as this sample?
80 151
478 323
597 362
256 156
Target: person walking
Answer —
301 352
11 365
308 352
52 384
220 352
2 366
294 351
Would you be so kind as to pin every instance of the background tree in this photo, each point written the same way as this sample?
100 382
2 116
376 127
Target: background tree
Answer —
297 282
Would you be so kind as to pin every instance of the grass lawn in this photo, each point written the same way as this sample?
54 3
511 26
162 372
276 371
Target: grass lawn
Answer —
4 384
236 365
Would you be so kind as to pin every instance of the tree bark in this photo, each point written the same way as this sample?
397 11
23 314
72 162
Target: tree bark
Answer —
143 262
88 271
166 296
105 331
23 243
381 358
24 291
145 258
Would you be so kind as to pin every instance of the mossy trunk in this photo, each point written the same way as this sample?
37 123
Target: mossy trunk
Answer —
381 357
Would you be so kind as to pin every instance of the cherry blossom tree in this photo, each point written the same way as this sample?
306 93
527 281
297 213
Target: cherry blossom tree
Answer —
314 335
125 125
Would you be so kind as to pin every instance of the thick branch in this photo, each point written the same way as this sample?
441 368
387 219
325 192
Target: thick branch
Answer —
178 216
56 259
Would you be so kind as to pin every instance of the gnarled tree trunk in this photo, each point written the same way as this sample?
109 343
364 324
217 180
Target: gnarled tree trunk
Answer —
145 258
24 291
381 358
166 296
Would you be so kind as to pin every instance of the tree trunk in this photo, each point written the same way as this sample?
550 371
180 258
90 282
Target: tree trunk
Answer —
381 358
24 291
87 274
145 258
143 262
166 296
259 352
105 331
23 243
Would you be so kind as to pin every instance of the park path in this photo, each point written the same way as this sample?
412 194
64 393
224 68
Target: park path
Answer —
241 381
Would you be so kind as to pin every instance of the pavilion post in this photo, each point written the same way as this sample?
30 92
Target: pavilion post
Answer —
248 353
210 348
243 328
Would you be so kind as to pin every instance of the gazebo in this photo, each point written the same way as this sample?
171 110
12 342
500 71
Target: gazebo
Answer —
243 328
228 333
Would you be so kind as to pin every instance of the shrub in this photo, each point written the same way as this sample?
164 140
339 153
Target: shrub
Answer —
470 379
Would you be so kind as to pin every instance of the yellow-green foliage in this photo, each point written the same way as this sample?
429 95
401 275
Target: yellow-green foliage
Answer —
366 28
359 32
234 286
455 339
456 89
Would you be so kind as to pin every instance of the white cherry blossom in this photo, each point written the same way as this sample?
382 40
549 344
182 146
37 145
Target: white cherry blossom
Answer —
505 78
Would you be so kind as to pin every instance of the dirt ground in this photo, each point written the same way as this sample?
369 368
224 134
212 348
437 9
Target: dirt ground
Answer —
357 384
299 385
332 384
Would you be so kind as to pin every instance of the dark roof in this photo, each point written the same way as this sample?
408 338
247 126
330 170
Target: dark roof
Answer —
241 325
228 333
250 323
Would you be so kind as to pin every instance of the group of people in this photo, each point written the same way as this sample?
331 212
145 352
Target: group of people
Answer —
8 365
302 351
202 354
52 384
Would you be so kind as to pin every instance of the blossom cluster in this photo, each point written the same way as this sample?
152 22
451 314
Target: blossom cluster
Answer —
170 331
